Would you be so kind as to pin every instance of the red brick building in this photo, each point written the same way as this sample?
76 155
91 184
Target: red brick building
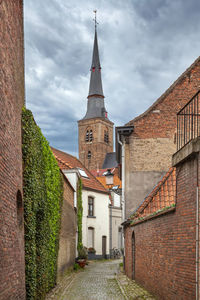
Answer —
12 268
162 233
149 148
161 236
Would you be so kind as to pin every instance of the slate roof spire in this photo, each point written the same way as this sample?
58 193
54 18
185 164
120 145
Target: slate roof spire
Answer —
95 77
95 104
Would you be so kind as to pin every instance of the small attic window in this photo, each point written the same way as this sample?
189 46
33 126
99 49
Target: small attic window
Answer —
82 173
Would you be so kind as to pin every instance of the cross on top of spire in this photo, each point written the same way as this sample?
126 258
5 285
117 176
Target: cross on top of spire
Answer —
95 18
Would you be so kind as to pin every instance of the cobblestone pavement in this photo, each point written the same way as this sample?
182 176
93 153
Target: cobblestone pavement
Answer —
100 280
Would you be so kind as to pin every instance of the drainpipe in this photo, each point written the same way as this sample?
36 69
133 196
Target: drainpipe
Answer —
123 176
111 230
197 232
123 192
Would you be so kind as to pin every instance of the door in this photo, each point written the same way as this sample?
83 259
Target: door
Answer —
104 246
90 237
133 256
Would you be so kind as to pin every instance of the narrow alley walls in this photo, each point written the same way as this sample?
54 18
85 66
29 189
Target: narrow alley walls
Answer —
12 275
43 193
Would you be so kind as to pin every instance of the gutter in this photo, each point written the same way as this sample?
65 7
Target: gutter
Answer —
124 131
122 144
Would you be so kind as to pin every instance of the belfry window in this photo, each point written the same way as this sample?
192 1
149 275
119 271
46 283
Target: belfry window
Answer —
87 136
89 154
106 137
90 136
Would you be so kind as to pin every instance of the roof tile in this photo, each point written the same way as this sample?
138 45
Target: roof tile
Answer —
161 198
67 161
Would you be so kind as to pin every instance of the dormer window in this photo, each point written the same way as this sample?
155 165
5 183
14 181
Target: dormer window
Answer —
106 137
82 173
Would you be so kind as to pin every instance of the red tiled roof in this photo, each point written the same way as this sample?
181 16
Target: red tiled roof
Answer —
161 199
99 172
102 178
67 161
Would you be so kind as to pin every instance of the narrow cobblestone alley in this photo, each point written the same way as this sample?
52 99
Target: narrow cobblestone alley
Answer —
101 280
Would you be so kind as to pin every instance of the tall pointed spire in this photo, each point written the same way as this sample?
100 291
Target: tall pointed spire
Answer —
95 105
95 77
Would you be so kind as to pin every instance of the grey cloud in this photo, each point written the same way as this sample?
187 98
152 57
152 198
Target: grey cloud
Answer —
144 46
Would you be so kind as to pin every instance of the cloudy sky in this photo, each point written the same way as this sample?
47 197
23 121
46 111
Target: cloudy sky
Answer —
144 46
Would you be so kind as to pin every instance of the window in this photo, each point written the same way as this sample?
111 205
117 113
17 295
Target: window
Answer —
87 136
91 136
106 137
90 206
19 209
90 237
89 154
82 173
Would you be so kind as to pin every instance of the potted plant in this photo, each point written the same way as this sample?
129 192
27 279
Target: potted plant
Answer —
82 257
91 253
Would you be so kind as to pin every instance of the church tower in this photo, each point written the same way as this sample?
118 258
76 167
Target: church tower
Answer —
95 129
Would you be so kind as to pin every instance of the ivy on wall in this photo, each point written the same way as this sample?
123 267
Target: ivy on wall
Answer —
79 216
43 194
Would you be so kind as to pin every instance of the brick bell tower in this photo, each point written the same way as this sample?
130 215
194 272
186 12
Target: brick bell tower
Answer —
95 129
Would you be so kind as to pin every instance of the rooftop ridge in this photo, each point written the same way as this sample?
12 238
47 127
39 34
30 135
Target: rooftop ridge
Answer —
99 187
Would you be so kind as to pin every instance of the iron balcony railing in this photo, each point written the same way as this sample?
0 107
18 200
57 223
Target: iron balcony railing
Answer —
188 122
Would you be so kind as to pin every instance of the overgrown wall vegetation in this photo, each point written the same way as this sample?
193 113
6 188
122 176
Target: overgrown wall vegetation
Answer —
43 193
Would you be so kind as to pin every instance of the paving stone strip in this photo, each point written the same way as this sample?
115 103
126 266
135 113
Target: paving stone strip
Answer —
101 280
131 290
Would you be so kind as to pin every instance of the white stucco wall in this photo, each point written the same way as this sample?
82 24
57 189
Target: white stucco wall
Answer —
72 176
101 221
116 238
116 200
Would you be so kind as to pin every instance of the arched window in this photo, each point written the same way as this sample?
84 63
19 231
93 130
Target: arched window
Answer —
106 137
133 255
19 209
89 154
91 136
87 136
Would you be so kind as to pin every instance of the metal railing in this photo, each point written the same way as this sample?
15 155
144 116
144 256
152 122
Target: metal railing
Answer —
188 122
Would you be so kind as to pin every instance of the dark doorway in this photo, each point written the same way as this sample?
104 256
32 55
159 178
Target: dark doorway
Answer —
133 255
104 246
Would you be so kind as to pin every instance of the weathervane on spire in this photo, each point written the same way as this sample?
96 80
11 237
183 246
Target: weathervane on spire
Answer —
95 18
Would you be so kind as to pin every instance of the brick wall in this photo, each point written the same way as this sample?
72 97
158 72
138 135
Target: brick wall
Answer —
98 146
165 246
67 239
12 276
153 140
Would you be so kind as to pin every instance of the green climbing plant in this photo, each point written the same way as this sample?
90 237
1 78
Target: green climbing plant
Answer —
79 216
43 194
